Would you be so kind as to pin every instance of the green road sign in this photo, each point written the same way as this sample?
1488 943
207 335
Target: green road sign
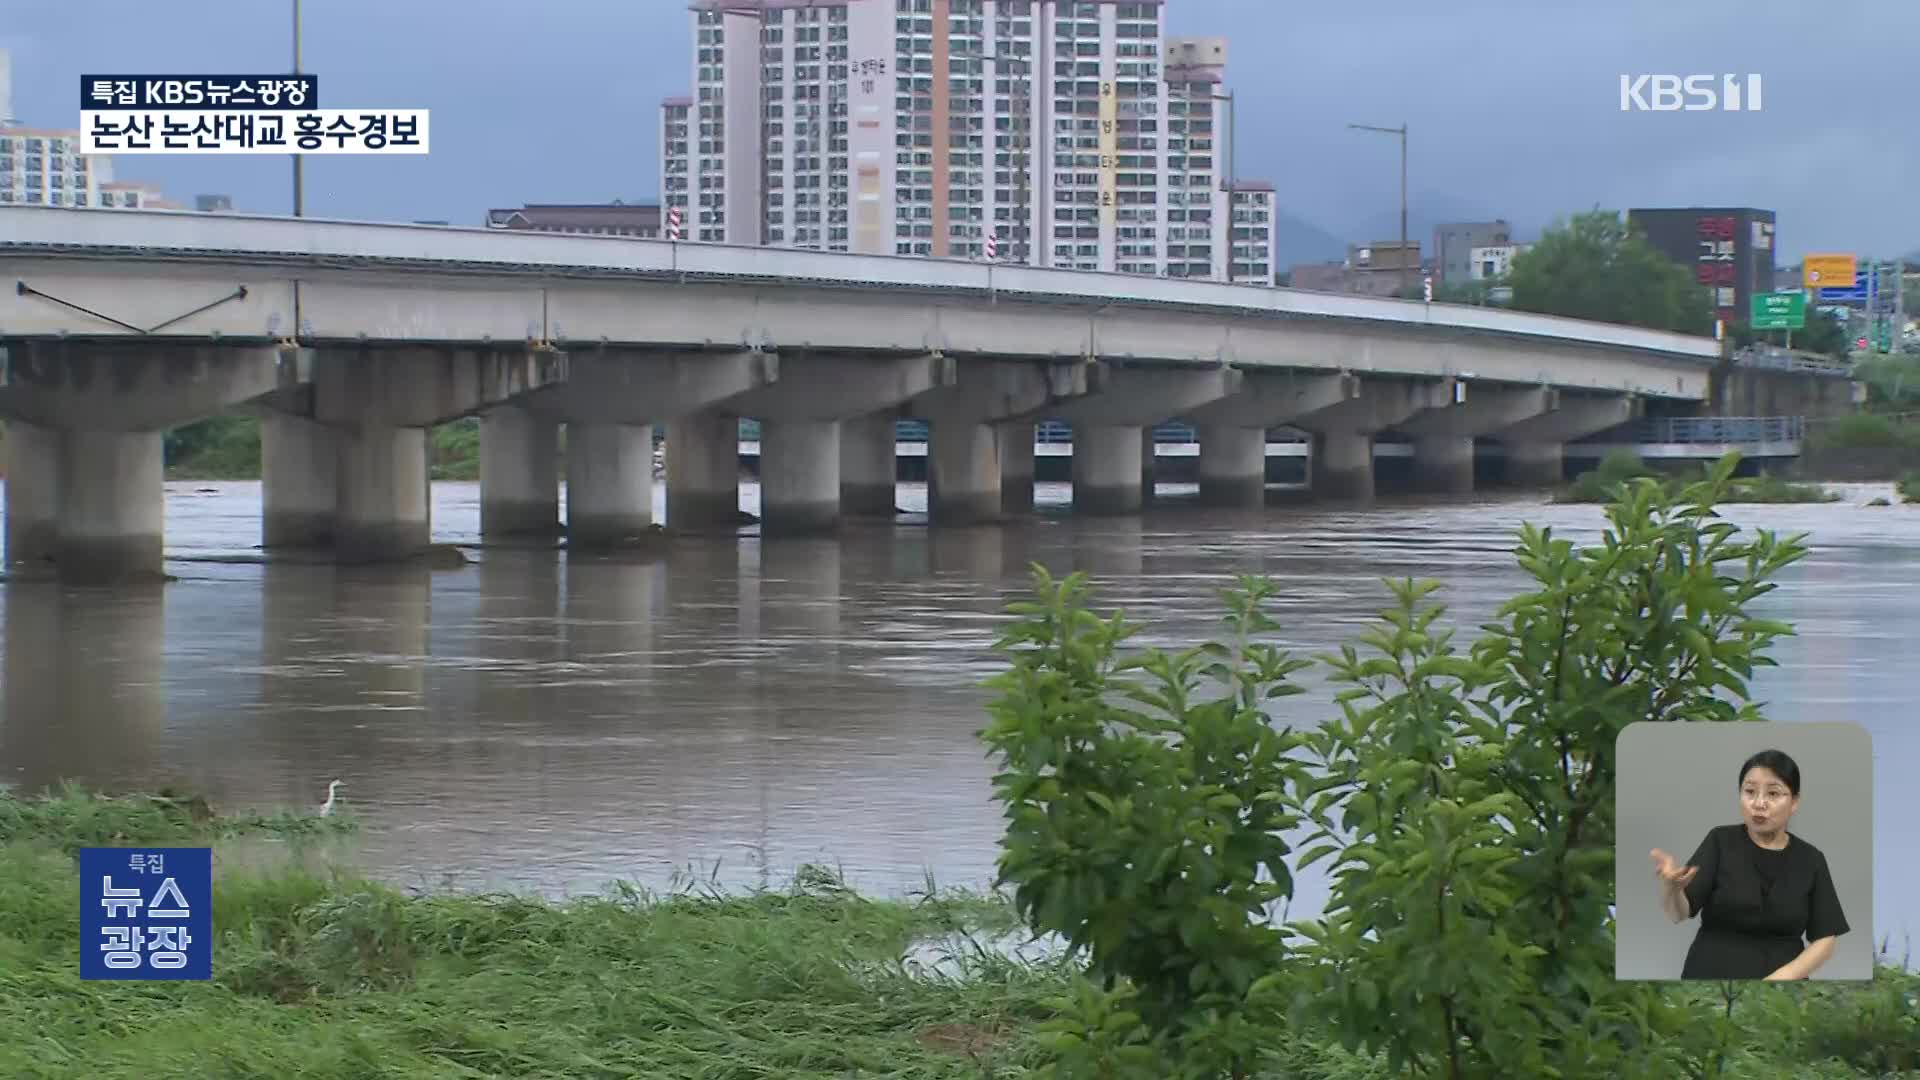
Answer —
1779 311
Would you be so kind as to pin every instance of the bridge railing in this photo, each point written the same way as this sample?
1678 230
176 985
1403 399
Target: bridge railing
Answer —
1748 430
1676 429
1778 359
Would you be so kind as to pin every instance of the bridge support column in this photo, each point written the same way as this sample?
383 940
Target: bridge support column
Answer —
703 472
799 476
868 471
33 493
520 473
1016 468
1107 469
1536 446
1233 466
383 509
609 483
1342 467
963 473
1443 464
1536 464
112 507
299 482
1149 457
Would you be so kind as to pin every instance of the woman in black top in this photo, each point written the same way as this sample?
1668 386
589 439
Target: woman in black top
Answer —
1766 901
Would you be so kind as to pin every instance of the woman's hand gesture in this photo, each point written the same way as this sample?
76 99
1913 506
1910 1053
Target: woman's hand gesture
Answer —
1670 872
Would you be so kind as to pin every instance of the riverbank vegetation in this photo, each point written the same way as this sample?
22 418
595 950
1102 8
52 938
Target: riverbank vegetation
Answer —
1866 431
1602 483
321 974
1461 798
228 448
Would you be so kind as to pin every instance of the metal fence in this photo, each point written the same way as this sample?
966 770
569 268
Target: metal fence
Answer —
1742 430
1778 359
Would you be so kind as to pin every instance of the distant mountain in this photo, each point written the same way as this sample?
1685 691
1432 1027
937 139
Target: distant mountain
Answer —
1297 240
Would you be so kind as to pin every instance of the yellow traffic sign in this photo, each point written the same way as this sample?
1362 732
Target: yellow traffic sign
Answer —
1829 271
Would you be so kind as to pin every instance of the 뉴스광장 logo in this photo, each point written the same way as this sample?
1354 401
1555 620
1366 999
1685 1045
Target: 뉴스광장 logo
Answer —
146 913
1690 93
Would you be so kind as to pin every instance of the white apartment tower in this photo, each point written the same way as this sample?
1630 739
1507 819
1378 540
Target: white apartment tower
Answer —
1072 131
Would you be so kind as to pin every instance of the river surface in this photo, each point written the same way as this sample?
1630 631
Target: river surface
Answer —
730 709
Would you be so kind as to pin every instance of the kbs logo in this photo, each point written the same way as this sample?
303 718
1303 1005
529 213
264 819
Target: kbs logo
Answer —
1689 93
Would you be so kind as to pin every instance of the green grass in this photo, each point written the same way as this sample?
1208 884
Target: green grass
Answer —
1909 487
1864 431
1598 484
321 974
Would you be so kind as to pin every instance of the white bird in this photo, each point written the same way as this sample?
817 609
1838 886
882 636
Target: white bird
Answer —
326 808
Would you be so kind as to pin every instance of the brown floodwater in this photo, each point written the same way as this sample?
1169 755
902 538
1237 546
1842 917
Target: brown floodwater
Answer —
730 709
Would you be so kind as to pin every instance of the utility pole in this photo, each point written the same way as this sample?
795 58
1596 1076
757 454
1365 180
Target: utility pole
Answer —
1406 271
299 195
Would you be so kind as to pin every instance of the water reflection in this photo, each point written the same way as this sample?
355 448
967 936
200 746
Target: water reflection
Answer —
85 691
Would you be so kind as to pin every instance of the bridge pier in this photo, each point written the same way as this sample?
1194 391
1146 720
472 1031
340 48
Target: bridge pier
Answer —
633 389
965 464
800 476
112 507
520 473
94 466
1016 468
1443 435
383 513
609 483
703 472
1233 466
1536 464
1233 431
963 473
1536 445
801 414
1443 464
1343 432
1116 419
299 482
33 493
869 473
1342 465
1108 468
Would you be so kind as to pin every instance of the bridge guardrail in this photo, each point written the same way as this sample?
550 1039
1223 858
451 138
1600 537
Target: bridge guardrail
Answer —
1748 430
1784 360
1675 429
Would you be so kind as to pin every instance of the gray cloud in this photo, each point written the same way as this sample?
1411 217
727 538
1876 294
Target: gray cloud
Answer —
1513 104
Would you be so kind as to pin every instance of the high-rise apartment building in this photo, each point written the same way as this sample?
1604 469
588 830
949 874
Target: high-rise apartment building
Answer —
44 166
1073 132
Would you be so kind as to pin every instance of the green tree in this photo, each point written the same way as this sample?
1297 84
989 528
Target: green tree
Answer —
1144 824
1464 798
1468 796
1593 267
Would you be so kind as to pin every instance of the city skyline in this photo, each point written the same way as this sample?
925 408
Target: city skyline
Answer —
1505 122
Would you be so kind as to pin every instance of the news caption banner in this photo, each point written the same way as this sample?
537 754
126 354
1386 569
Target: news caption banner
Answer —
235 114
146 914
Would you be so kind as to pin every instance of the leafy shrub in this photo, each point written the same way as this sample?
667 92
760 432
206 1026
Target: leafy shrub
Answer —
1465 799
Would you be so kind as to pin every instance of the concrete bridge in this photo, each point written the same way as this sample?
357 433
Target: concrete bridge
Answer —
351 339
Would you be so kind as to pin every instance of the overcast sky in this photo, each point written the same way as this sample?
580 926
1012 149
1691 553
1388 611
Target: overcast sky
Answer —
1513 104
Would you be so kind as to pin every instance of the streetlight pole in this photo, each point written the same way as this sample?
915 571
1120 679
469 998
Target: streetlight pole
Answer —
1405 270
299 195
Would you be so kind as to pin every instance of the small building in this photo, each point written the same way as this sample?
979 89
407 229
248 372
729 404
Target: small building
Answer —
1453 245
1492 262
616 218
